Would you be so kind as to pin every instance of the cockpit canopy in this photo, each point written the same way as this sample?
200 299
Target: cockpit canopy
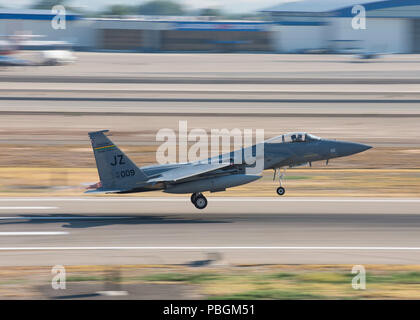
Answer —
293 138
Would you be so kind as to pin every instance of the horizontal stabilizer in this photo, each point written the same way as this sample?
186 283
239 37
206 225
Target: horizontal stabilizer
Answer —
102 191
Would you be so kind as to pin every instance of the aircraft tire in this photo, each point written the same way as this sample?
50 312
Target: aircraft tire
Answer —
194 196
281 191
200 202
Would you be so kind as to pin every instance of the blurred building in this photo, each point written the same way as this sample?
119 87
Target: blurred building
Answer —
141 33
38 23
182 35
392 26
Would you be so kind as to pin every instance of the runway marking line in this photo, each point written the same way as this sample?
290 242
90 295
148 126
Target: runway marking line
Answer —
186 199
211 248
65 218
33 233
28 208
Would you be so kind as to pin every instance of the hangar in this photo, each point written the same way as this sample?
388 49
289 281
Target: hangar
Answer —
141 33
392 26
182 35
38 22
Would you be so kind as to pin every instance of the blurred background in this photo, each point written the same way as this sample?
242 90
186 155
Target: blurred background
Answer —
135 67
312 26
141 66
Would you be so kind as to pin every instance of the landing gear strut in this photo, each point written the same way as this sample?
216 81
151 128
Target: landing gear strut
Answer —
280 190
199 200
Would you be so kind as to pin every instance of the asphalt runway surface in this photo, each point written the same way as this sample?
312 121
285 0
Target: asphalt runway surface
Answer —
203 79
216 85
169 230
222 68
333 96
214 108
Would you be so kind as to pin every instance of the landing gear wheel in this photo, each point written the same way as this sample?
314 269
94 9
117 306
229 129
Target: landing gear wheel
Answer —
200 202
281 191
194 196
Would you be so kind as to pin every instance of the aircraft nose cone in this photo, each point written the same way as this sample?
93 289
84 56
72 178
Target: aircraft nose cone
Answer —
365 147
353 148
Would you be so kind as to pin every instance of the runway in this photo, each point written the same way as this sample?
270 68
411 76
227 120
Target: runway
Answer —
216 84
46 113
211 109
169 230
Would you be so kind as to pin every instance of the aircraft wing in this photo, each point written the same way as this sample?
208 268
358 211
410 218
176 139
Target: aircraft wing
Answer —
188 171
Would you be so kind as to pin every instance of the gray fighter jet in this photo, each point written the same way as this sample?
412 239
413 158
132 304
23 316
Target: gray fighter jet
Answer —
118 174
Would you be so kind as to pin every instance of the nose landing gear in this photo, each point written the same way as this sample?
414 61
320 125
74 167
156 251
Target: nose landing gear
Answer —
199 201
280 190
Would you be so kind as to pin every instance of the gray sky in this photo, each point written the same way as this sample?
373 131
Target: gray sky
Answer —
234 6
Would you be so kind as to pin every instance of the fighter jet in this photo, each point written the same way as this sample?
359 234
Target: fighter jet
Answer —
118 174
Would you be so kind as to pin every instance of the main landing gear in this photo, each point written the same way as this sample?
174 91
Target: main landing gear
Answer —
199 200
280 190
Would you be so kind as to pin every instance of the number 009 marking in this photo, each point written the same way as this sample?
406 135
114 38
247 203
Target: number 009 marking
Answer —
126 173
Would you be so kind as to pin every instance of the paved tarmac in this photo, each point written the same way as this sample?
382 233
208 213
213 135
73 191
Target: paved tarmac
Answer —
169 230
374 102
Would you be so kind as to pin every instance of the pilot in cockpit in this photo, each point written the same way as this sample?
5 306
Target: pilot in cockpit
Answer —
297 138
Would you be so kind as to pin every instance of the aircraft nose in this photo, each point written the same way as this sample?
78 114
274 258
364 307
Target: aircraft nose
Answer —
353 148
364 147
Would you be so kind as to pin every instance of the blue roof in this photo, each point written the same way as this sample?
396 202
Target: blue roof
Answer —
337 7
33 15
219 26
377 5
317 6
